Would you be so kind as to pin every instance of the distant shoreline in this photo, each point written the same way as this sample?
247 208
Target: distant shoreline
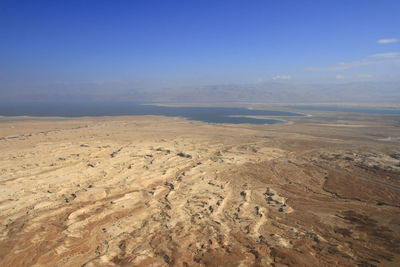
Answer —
204 114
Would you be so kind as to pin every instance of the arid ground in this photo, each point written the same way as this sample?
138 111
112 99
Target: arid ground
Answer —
158 191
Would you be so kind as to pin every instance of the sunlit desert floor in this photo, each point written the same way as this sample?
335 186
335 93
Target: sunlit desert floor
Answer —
158 191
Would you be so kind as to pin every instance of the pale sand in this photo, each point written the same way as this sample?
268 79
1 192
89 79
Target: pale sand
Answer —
154 191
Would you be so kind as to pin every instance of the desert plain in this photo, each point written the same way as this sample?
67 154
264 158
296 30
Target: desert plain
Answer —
161 191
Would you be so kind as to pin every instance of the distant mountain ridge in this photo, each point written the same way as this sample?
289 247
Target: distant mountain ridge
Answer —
273 92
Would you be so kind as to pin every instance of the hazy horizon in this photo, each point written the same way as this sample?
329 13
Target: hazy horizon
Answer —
168 51
200 133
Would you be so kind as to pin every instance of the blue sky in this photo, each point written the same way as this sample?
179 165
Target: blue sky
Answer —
158 43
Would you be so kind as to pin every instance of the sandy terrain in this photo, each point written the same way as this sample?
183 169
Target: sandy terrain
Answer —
156 191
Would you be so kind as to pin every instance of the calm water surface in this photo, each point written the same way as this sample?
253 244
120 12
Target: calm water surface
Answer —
205 114
349 109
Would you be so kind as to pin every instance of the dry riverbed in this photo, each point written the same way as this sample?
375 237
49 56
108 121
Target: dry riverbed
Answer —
157 191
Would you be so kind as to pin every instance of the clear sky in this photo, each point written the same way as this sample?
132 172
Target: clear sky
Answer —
198 42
